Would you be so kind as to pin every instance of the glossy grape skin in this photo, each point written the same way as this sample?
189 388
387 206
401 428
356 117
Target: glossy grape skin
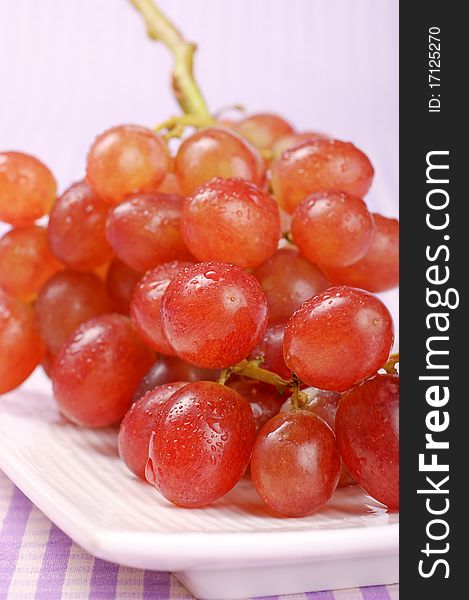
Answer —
367 429
27 188
320 165
216 152
338 338
121 281
295 463
378 270
98 369
26 261
332 228
76 228
170 368
201 444
125 160
137 426
294 139
288 279
67 300
324 404
213 314
270 349
231 220
144 231
263 398
263 130
146 303
21 349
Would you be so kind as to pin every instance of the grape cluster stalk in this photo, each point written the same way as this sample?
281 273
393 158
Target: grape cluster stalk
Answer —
215 298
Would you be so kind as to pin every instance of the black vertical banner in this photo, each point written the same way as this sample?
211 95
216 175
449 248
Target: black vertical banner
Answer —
433 299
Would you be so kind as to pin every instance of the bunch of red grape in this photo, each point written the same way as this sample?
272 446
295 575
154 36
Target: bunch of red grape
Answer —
216 303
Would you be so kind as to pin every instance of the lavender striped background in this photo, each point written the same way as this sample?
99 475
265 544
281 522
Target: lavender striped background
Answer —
71 68
37 561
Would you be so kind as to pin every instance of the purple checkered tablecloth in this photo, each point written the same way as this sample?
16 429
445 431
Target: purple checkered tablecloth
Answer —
38 561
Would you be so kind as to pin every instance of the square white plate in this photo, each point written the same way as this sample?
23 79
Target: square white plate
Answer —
233 549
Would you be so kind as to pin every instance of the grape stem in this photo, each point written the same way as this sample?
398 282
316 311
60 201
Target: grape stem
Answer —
298 398
253 370
232 107
175 126
185 88
224 376
390 366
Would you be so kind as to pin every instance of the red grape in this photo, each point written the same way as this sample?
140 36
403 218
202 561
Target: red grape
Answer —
146 303
332 228
287 279
367 428
270 349
213 314
26 261
68 299
170 368
201 444
324 404
121 281
144 231
378 270
125 160
338 338
98 369
263 398
294 139
263 130
231 220
320 165
216 152
27 188
21 349
295 464
137 426
77 228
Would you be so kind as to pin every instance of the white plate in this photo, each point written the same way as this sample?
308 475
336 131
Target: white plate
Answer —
233 549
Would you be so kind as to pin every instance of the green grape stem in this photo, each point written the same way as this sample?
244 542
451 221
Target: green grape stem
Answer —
224 376
298 398
184 85
390 366
253 370
175 126
232 107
